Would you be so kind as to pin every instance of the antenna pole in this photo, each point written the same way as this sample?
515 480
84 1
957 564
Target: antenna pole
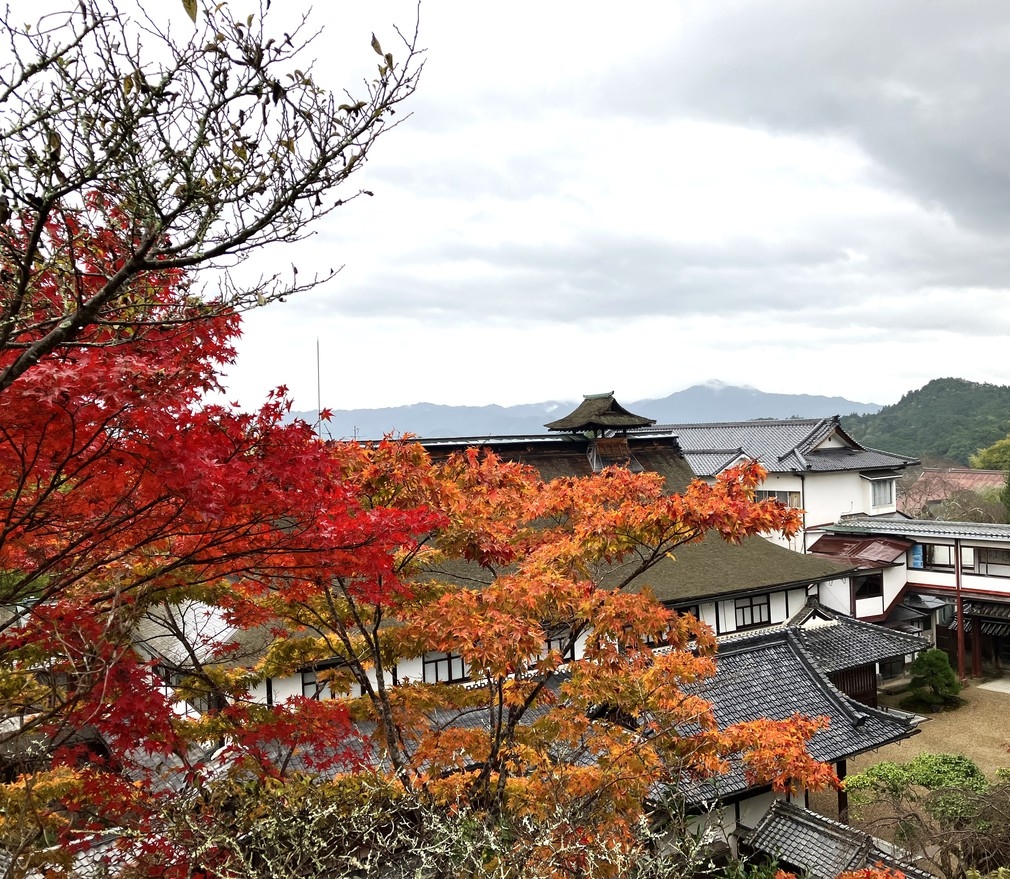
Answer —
319 395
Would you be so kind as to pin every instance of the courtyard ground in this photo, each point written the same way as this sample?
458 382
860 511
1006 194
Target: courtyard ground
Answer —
979 729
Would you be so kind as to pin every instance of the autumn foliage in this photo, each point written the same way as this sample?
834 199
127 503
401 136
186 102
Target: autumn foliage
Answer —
125 497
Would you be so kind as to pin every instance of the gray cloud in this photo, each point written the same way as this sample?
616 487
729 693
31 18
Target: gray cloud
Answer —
921 87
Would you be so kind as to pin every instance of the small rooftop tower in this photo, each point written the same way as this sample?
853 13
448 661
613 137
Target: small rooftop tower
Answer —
606 422
599 414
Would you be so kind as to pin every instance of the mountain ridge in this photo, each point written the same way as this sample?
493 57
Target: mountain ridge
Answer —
944 422
713 401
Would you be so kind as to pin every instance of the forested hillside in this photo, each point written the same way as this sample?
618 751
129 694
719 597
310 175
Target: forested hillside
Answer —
949 418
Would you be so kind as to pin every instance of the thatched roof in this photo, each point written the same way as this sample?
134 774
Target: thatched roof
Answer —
600 412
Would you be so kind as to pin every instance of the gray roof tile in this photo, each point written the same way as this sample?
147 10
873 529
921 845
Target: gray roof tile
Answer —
920 528
821 848
838 642
782 446
771 675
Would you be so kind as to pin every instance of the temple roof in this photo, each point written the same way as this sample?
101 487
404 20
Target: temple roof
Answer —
770 674
820 848
599 412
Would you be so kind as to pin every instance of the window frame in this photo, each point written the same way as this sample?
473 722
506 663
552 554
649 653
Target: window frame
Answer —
456 669
745 607
558 639
875 582
790 498
879 485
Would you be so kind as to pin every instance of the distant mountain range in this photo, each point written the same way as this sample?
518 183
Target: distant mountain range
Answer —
708 402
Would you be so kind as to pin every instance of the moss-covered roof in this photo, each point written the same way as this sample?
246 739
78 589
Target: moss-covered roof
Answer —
707 569
600 412
714 568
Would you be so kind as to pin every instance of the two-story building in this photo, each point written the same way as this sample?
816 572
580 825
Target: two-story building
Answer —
956 574
812 464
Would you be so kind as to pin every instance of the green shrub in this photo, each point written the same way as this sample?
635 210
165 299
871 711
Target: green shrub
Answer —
933 680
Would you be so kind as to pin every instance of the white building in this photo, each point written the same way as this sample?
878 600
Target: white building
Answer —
812 464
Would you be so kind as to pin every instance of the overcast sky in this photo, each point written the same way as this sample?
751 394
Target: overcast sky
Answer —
805 196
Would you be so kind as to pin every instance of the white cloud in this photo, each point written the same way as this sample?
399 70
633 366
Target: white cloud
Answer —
798 195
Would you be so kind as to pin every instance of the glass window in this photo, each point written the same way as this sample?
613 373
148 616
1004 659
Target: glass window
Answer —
316 686
869 585
883 492
924 556
997 556
789 498
445 668
558 640
312 688
755 610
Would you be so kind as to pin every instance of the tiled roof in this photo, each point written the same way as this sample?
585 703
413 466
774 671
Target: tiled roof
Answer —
920 528
827 460
710 462
771 675
838 642
782 446
820 848
935 485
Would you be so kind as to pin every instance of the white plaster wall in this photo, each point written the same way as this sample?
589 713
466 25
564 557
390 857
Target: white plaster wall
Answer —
936 578
869 607
835 594
995 585
781 482
894 581
407 670
753 809
723 823
727 618
829 496
706 612
784 482
779 613
285 688
795 599
825 497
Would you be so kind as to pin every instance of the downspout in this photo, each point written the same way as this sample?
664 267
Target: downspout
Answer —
804 466
803 504
960 609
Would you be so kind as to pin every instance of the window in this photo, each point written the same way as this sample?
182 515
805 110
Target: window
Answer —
882 492
312 687
664 639
558 640
997 556
994 562
927 556
445 668
753 611
316 686
789 498
869 585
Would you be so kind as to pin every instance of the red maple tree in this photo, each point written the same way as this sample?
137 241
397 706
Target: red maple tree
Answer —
125 495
